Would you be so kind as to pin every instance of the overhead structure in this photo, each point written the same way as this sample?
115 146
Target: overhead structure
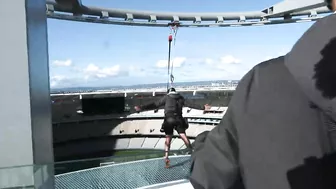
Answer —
288 11
287 7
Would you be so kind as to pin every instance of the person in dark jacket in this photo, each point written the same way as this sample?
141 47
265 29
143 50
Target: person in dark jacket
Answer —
270 126
173 104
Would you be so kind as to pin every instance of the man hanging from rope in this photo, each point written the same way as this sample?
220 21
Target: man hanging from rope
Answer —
173 104
173 31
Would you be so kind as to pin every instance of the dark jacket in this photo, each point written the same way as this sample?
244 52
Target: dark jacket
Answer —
173 103
270 125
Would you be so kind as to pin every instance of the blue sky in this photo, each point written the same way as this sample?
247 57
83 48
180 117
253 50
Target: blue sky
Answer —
84 54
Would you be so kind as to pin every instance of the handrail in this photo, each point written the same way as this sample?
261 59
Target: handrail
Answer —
82 13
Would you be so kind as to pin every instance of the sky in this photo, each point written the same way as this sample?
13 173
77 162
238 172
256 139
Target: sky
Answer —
86 54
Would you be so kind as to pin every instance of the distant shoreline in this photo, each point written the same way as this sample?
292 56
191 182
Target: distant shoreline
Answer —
142 86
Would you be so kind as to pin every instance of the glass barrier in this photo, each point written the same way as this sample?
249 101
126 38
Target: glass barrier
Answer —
130 171
24 177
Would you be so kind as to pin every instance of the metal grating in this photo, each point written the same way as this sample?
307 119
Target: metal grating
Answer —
126 175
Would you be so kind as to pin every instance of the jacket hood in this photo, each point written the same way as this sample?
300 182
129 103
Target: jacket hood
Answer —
312 62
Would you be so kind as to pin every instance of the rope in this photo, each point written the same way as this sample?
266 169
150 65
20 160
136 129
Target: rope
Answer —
172 66
169 52
173 31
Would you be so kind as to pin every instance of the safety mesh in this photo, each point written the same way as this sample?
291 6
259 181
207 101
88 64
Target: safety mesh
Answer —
126 175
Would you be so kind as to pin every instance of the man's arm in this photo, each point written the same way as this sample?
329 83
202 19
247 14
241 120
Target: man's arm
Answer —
189 104
154 105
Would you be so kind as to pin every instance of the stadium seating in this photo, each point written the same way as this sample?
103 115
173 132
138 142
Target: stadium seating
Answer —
73 130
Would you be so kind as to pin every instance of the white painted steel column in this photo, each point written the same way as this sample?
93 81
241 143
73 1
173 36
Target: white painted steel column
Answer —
25 111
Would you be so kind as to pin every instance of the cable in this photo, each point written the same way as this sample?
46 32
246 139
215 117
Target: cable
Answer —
170 39
172 64
173 30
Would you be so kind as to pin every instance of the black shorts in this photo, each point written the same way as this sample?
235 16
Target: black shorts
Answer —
174 122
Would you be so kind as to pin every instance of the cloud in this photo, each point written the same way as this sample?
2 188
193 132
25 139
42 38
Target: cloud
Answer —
84 75
225 67
95 71
209 61
229 59
228 63
136 68
57 80
60 81
177 62
137 71
223 62
62 63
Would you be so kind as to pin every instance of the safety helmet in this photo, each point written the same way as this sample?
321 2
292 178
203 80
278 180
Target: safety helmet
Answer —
171 90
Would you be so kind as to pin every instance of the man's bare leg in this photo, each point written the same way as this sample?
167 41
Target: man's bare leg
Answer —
186 140
167 149
333 5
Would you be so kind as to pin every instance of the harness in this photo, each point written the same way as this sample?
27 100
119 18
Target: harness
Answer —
177 113
177 106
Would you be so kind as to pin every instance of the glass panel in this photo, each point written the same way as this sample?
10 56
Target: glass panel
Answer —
23 176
